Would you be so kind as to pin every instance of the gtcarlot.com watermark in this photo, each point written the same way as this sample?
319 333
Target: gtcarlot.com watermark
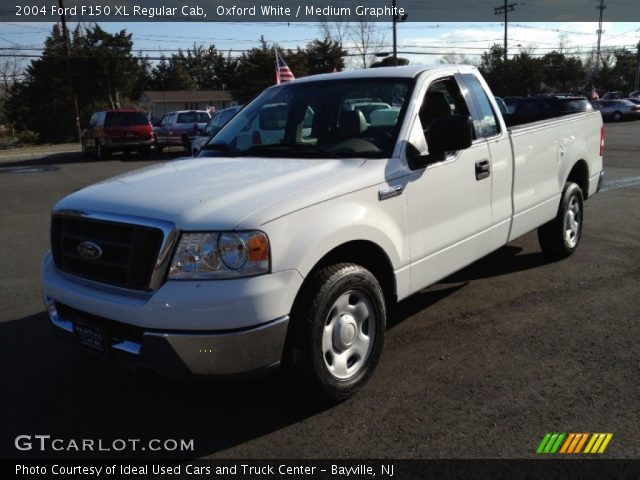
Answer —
47 443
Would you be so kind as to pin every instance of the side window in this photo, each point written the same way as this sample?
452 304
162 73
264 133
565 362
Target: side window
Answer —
443 98
486 124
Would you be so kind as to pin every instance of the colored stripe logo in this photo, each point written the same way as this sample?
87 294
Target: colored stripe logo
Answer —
573 443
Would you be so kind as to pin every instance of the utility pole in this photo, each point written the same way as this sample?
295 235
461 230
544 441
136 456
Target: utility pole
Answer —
395 35
601 6
505 9
396 18
67 44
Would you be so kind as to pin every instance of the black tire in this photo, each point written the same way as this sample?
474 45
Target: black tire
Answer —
186 144
327 349
157 146
101 152
560 237
85 150
616 117
145 152
126 153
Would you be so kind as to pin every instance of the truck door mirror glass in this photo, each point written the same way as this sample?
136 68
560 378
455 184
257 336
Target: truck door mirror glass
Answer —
451 133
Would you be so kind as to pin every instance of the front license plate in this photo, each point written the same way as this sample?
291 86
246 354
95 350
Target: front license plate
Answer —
90 336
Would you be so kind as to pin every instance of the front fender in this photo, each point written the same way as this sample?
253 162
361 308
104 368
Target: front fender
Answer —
301 239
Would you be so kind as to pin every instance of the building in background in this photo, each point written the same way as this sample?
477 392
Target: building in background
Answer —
161 102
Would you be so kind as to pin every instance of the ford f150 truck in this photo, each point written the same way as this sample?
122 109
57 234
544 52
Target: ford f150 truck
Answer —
290 249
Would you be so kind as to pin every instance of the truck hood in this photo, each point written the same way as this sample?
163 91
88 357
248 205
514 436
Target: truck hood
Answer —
219 193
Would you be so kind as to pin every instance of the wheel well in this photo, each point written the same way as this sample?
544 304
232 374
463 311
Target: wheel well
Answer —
368 255
579 175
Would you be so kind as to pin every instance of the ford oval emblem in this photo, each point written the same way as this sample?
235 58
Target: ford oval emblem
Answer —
89 250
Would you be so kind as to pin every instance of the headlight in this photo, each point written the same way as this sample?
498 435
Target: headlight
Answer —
215 255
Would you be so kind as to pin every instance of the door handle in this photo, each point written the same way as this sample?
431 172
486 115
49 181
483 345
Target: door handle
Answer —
483 169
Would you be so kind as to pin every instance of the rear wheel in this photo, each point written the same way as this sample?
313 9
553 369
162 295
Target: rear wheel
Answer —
145 152
617 116
101 152
560 237
337 331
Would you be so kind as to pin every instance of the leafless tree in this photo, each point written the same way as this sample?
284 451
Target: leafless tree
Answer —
10 70
367 40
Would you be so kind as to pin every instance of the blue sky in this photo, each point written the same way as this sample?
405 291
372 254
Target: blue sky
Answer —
433 40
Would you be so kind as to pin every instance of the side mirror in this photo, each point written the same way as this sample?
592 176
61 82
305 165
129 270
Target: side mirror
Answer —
448 134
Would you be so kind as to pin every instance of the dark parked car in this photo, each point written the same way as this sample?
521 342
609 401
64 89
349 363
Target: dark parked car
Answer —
613 95
616 110
511 103
504 110
218 120
541 107
124 130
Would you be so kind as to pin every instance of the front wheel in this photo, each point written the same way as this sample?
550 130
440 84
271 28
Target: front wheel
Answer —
560 237
338 331
85 150
617 116
186 144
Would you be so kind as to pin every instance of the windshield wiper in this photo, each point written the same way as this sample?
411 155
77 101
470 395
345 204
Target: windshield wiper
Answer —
289 149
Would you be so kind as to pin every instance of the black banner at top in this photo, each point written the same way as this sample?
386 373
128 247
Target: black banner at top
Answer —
319 10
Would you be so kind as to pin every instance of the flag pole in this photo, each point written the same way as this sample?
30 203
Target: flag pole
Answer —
275 51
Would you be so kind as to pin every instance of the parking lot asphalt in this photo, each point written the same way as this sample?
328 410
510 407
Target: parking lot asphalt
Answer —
480 365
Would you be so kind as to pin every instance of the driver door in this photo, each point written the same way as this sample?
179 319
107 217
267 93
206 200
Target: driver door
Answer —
448 202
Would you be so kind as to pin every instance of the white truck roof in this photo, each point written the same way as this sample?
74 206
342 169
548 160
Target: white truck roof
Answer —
409 71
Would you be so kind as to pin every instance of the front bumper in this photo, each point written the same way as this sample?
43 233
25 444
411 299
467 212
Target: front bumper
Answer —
227 327
240 352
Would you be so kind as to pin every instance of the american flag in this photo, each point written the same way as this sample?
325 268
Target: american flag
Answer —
283 72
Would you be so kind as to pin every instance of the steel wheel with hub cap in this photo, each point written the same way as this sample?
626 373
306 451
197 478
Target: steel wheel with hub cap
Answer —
560 237
348 334
337 330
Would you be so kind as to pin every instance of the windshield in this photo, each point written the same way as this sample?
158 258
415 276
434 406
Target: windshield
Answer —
125 119
193 117
328 119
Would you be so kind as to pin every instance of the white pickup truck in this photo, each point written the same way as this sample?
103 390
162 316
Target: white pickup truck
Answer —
290 251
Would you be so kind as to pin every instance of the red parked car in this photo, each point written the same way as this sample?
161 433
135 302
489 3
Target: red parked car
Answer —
123 130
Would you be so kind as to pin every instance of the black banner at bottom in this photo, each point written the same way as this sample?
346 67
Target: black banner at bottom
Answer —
323 469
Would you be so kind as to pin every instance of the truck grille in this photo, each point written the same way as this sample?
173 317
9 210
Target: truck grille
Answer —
128 252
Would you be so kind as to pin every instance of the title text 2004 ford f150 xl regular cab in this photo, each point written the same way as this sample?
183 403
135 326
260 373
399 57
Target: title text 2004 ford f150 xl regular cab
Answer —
288 239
